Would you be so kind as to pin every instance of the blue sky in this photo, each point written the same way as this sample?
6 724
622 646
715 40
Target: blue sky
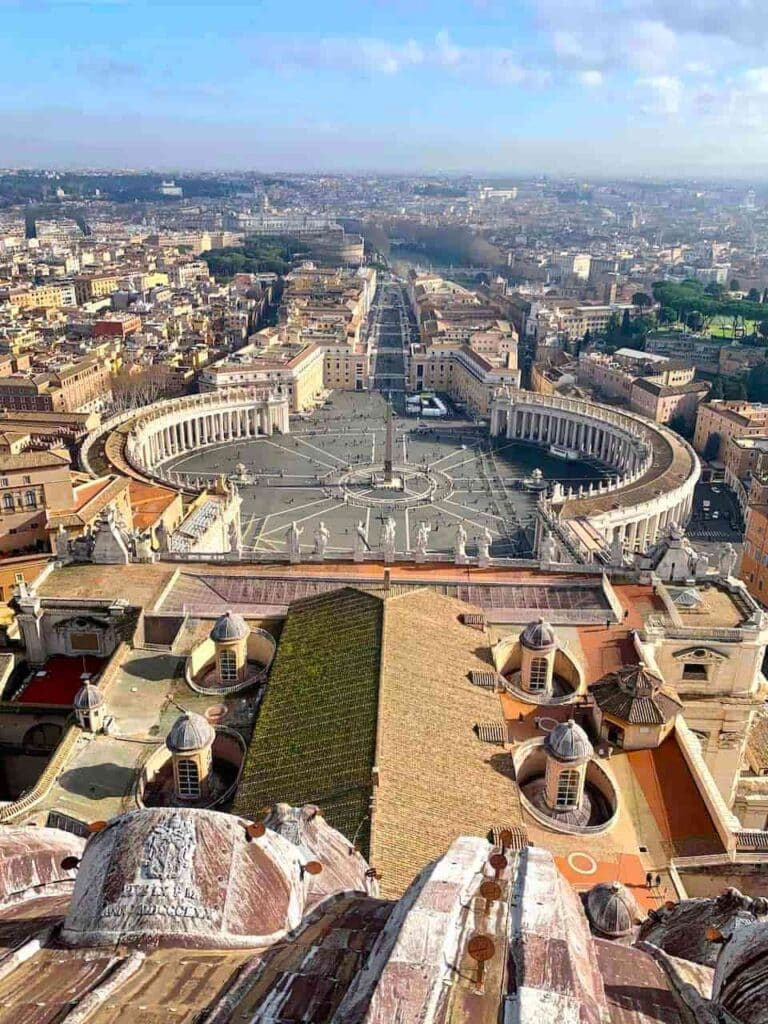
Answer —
606 87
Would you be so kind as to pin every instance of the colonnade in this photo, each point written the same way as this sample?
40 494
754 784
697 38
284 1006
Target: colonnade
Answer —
624 441
589 437
171 428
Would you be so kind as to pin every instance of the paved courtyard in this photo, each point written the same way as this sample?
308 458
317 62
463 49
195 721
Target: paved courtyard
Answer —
286 479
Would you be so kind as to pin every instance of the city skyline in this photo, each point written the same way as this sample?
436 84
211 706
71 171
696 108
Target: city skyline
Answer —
643 87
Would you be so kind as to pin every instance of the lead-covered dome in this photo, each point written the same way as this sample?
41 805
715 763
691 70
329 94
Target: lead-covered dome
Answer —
568 742
88 697
189 732
740 984
538 636
229 627
184 877
611 909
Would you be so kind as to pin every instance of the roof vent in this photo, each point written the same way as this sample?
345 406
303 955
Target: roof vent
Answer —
480 677
475 620
489 732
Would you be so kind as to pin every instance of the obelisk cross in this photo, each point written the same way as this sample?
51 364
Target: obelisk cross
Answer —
389 444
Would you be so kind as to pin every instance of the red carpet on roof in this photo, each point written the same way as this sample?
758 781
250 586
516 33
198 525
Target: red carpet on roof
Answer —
61 680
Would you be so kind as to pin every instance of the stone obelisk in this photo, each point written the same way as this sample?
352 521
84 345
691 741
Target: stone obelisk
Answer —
389 445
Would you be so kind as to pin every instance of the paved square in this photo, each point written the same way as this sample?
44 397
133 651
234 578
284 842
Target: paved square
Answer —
294 478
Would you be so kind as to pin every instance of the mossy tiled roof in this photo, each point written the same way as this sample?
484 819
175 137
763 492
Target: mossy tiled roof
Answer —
315 737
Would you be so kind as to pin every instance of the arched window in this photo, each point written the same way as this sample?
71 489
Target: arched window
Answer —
45 736
567 789
189 779
537 678
228 666
8 502
29 499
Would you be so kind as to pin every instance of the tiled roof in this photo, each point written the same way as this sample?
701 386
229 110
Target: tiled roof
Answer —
437 778
653 705
314 740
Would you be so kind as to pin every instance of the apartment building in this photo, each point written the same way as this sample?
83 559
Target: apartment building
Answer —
83 386
572 320
689 348
31 483
47 296
95 286
299 374
460 372
649 384
728 419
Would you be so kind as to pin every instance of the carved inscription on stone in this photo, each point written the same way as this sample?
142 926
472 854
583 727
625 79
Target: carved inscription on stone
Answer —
164 884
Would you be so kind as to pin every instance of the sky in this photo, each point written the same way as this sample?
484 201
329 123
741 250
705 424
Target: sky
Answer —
660 88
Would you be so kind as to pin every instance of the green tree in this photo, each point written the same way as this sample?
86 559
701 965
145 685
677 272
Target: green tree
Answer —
679 424
667 315
715 290
753 295
718 388
642 300
762 328
735 389
626 324
757 383
765 295
712 446
735 286
695 320
613 329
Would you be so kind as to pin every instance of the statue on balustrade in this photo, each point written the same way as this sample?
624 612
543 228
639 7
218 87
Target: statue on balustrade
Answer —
321 538
460 543
293 539
422 538
484 541
388 533
728 560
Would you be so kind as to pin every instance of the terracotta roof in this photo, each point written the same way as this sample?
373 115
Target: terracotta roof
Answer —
149 502
636 696
437 779
32 460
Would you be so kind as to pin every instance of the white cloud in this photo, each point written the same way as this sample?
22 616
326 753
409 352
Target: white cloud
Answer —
660 94
497 65
592 79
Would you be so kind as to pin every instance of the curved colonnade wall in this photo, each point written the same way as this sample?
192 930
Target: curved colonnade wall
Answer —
656 469
169 428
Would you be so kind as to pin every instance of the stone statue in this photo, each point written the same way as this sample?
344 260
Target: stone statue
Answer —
548 548
162 536
675 532
322 536
460 544
143 547
422 538
558 494
484 541
361 539
235 540
701 565
293 540
727 560
617 550
61 543
388 537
